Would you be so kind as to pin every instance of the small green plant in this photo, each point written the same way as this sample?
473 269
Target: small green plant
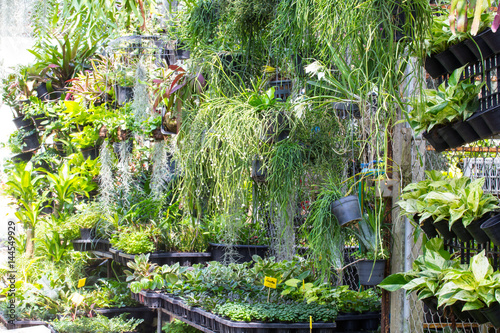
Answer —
87 138
98 324
134 240
177 326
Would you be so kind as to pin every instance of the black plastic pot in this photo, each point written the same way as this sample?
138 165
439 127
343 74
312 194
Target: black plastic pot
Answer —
351 325
182 52
448 60
492 119
479 47
474 228
282 89
478 316
40 122
450 136
23 157
346 110
82 245
31 142
444 229
259 172
492 313
371 324
427 226
115 253
478 123
346 210
491 227
20 122
458 229
276 129
244 253
465 130
434 67
463 53
370 274
435 139
169 258
457 311
92 153
431 303
123 95
492 39
86 233
42 92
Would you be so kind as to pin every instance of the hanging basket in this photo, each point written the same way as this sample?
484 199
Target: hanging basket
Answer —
346 210
492 228
370 273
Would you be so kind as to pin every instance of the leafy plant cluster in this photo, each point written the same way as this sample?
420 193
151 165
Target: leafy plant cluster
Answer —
237 290
267 312
450 199
97 324
437 274
450 103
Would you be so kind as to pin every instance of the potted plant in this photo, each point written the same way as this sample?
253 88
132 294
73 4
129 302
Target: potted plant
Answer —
491 227
124 86
251 238
441 114
87 141
372 254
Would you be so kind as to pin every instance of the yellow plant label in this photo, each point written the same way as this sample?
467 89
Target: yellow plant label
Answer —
81 282
270 282
310 322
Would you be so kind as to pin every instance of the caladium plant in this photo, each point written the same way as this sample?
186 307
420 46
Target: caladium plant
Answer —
449 103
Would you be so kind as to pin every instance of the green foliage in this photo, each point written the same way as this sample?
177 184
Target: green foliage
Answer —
134 240
294 312
370 231
86 138
177 326
450 103
98 324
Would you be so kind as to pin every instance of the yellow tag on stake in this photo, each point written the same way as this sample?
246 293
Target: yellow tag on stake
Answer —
311 322
270 282
81 282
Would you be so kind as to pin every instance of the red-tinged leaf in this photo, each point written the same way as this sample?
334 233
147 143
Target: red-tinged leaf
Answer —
496 21
157 81
201 79
174 82
176 68
177 87
53 66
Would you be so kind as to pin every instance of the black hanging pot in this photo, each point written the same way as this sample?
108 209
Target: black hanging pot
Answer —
91 152
346 210
478 123
492 39
492 313
182 52
478 316
450 136
435 139
491 227
434 67
491 118
371 274
23 157
428 227
347 110
20 122
31 142
448 60
87 233
40 121
42 92
259 171
463 53
431 303
465 130
479 47
123 94
444 229
458 228
474 228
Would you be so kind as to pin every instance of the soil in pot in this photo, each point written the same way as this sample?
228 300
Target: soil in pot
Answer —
474 228
444 229
346 210
20 122
371 274
491 227
459 230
